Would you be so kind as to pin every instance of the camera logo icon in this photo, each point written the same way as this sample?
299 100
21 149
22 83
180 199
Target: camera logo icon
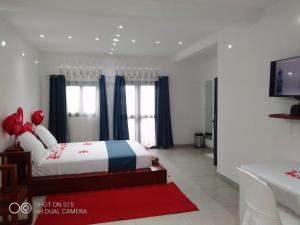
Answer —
15 208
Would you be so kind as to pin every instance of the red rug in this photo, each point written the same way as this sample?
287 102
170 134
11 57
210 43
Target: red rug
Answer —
84 208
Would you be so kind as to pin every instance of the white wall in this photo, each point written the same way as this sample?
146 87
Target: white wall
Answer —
185 88
19 80
246 134
201 68
185 91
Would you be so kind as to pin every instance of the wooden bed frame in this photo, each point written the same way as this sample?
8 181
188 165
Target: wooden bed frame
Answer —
45 185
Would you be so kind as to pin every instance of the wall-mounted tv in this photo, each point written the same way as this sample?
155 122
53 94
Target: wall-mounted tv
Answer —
285 78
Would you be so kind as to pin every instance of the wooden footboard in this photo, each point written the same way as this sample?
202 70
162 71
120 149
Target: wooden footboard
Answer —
46 185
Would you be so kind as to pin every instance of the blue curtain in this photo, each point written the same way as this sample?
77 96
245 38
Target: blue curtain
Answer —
164 136
104 129
120 124
58 108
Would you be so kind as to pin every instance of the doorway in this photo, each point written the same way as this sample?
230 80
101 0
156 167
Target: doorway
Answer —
211 117
209 113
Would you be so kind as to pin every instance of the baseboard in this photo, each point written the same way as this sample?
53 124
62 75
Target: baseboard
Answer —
188 145
228 180
183 145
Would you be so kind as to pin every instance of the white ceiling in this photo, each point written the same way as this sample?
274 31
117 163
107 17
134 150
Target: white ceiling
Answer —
146 21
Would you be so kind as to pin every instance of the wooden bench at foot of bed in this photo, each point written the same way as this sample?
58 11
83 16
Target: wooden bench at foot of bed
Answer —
46 185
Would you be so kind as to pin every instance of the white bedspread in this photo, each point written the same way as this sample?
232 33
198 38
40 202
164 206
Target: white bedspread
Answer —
84 157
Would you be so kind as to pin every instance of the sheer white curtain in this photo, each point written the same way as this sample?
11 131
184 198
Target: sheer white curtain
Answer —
132 111
83 108
147 115
140 100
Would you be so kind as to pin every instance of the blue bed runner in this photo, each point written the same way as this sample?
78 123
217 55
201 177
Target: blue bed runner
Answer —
121 157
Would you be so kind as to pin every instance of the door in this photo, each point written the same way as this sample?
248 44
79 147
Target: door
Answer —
215 121
209 113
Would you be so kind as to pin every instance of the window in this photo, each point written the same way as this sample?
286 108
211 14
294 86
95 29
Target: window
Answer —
140 100
131 111
81 100
147 113
89 100
73 99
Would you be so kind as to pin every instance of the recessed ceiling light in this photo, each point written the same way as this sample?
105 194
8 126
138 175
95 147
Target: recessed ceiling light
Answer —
3 43
133 41
112 49
111 53
70 37
116 40
180 42
23 53
157 42
36 61
42 35
97 39
290 73
230 46
118 35
114 44
120 27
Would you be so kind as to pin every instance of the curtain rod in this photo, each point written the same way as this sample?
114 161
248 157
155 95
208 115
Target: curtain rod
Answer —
80 70
136 68
137 71
117 67
94 71
110 79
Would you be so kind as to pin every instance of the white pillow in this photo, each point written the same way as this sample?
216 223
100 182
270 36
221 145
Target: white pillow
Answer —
46 137
31 144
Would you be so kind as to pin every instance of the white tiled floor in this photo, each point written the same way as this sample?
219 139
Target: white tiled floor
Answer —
195 174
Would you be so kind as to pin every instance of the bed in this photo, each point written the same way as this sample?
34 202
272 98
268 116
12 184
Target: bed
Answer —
87 166
89 157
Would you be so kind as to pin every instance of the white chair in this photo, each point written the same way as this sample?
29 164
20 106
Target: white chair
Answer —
261 208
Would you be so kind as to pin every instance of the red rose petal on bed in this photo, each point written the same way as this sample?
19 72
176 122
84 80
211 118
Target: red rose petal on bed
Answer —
52 157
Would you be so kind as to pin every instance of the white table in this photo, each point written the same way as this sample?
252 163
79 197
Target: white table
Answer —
286 187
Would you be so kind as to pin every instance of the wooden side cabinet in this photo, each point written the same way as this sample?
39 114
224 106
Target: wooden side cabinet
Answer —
15 189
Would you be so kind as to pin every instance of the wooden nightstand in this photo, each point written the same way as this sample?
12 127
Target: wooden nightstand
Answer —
14 148
14 189
19 161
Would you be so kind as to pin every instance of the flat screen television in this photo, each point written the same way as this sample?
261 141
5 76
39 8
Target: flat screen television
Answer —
285 78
